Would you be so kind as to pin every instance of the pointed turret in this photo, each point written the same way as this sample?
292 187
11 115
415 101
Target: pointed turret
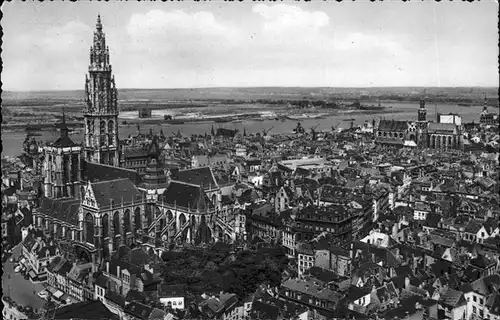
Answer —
63 126
98 25
485 104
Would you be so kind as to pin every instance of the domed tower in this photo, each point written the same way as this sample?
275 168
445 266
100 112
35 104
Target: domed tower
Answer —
101 105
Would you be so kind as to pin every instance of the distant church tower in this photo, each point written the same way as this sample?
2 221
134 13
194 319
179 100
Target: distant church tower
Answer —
100 113
422 112
422 125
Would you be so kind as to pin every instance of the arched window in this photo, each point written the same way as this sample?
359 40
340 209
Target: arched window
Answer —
110 132
126 222
214 200
102 132
137 219
149 216
105 226
89 228
116 223
182 219
90 127
170 216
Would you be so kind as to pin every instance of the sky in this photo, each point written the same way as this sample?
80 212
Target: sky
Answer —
253 44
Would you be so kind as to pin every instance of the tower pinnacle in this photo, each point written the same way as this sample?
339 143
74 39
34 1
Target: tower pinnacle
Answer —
98 24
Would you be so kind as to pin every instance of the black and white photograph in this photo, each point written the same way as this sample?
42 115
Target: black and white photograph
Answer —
250 160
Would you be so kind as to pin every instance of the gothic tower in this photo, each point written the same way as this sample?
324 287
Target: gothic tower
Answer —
422 125
100 113
62 166
422 112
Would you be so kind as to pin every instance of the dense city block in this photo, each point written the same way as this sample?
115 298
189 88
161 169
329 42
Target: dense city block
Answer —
392 219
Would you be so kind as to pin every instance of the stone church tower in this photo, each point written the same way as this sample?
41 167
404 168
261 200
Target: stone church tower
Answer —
422 124
100 113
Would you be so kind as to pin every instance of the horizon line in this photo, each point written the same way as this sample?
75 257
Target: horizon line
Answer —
264 87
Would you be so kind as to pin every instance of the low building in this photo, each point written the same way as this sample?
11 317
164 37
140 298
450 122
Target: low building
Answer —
172 296
481 297
38 251
310 293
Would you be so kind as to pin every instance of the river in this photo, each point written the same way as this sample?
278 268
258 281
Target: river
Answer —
12 141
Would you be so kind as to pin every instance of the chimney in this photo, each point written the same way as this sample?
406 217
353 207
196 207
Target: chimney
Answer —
107 267
118 272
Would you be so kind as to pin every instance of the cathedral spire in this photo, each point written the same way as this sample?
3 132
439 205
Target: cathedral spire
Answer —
101 104
64 116
98 25
64 128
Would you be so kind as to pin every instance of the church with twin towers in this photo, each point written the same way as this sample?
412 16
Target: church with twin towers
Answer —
91 200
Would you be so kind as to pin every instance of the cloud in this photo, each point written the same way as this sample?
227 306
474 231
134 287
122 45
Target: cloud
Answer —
177 30
282 18
271 44
71 37
48 58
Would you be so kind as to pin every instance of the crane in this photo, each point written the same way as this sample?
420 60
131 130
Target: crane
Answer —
265 132
334 128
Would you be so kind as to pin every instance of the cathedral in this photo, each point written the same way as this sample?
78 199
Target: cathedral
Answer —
99 206
444 134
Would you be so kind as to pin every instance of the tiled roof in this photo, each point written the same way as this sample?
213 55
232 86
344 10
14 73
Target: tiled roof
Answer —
309 288
102 281
135 152
114 263
63 209
265 311
95 172
493 303
138 310
434 127
170 291
199 176
186 195
487 285
473 227
392 125
452 298
157 314
89 310
116 190
64 142
79 272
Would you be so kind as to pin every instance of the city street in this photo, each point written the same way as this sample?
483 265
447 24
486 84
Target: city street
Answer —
22 291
